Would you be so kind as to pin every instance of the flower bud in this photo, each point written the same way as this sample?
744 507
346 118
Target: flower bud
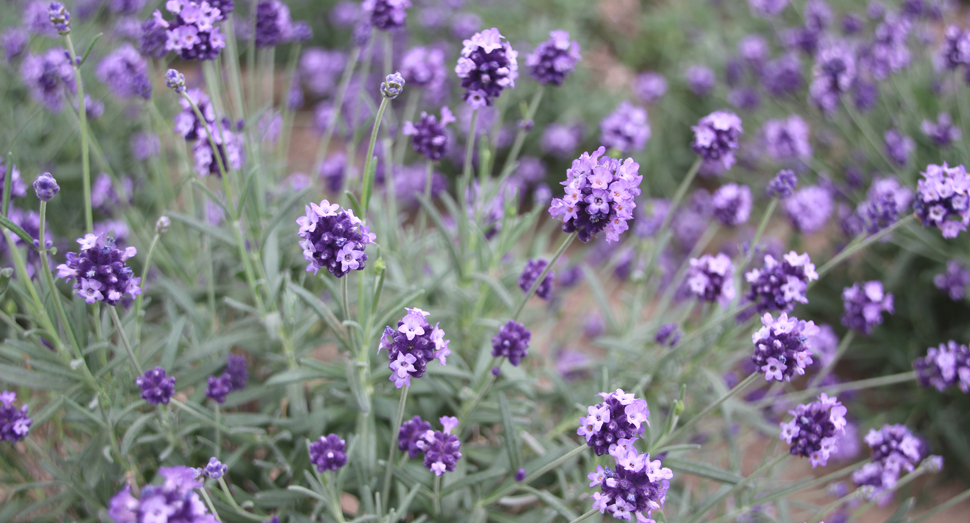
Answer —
392 86
45 186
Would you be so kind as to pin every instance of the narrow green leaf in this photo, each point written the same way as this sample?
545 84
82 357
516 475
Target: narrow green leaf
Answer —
87 51
318 307
440 224
511 435
496 286
900 513
172 344
205 228
282 213
31 379
702 470
557 504
474 479
14 228
292 376
133 431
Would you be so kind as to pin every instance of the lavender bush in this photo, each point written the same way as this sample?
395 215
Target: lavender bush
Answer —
237 208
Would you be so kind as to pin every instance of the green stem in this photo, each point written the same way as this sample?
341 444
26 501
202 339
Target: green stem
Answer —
520 134
941 507
737 487
144 277
584 517
511 485
218 415
466 174
535 285
856 247
335 496
707 410
843 347
55 295
337 104
871 383
757 235
385 496
480 391
208 502
368 183
85 149
40 312
124 339
437 496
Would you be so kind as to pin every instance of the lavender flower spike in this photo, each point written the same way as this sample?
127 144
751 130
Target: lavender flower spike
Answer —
636 488
328 453
529 275
780 284
194 32
333 239
815 430
156 387
175 497
552 61
428 134
783 184
626 129
716 137
412 346
512 342
615 423
393 86
711 278
60 17
175 81
732 204
947 365
14 422
487 66
215 469
943 199
780 346
954 281
45 186
99 270
441 448
386 15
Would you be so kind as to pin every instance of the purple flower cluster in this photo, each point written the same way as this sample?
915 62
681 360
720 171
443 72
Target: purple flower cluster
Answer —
14 422
626 129
616 422
328 453
649 86
531 272
237 371
428 135
885 201
864 305
333 239
49 76
99 270
954 281
716 137
14 42
412 433
700 79
667 334
711 278
943 199
156 386
809 208
561 140
636 488
424 67
186 122
815 431
943 132
193 33
787 139
552 61
175 499
441 448
945 366
512 342
895 452
783 75
386 15
600 194
732 204
955 49
783 184
60 18
780 346
319 69
898 147
487 66
834 73
767 8
229 153
273 23
889 52
125 72
779 284
153 37
412 346
215 469
219 387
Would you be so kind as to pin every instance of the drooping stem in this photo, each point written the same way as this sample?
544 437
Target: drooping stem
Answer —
545 271
388 471
124 339
85 149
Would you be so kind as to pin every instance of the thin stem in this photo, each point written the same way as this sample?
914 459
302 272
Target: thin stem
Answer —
757 235
144 277
85 149
852 249
941 507
466 172
208 502
871 383
737 486
521 133
218 415
386 493
345 303
232 500
843 347
40 313
337 104
480 392
335 496
707 410
368 183
535 285
512 485
55 295
437 496
124 339
592 512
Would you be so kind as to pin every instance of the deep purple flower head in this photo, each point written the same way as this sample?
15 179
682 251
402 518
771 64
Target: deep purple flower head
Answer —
889 51
732 204
649 86
332 171
428 135
273 23
600 194
955 50
512 342
125 72
667 334
885 201
104 195
14 422
815 431
412 180
744 98
18 189
954 281
486 66
175 499
787 139
156 386
943 132
809 208
393 86
153 37
194 33
424 67
767 8
636 488
386 15
833 75
14 41
943 199
783 184
49 76
411 433
711 278
852 24
45 186
754 50
895 452
945 366
144 145
561 140
781 348
898 147
60 18
520 475
175 81
441 448
412 346
626 129
779 284
215 469
864 304
230 148
333 239
615 423
552 61
328 453
236 369
320 69
219 387
700 79
716 137
783 75
99 270
532 270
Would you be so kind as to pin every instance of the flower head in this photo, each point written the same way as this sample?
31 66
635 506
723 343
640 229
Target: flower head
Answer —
175 499
512 342
954 281
193 33
787 139
552 61
898 147
392 86
620 417
895 452
531 272
156 386
815 430
326 231
328 453
649 86
626 129
100 271
428 134
716 137
711 278
424 67
60 17
943 132
809 208
487 66
833 75
779 284
442 450
732 204
175 80
412 346
783 184
236 369
700 79
386 15
214 469
14 422
780 346
635 488
45 186
49 76
273 23
219 387
943 366
864 305
125 72
410 436
943 199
